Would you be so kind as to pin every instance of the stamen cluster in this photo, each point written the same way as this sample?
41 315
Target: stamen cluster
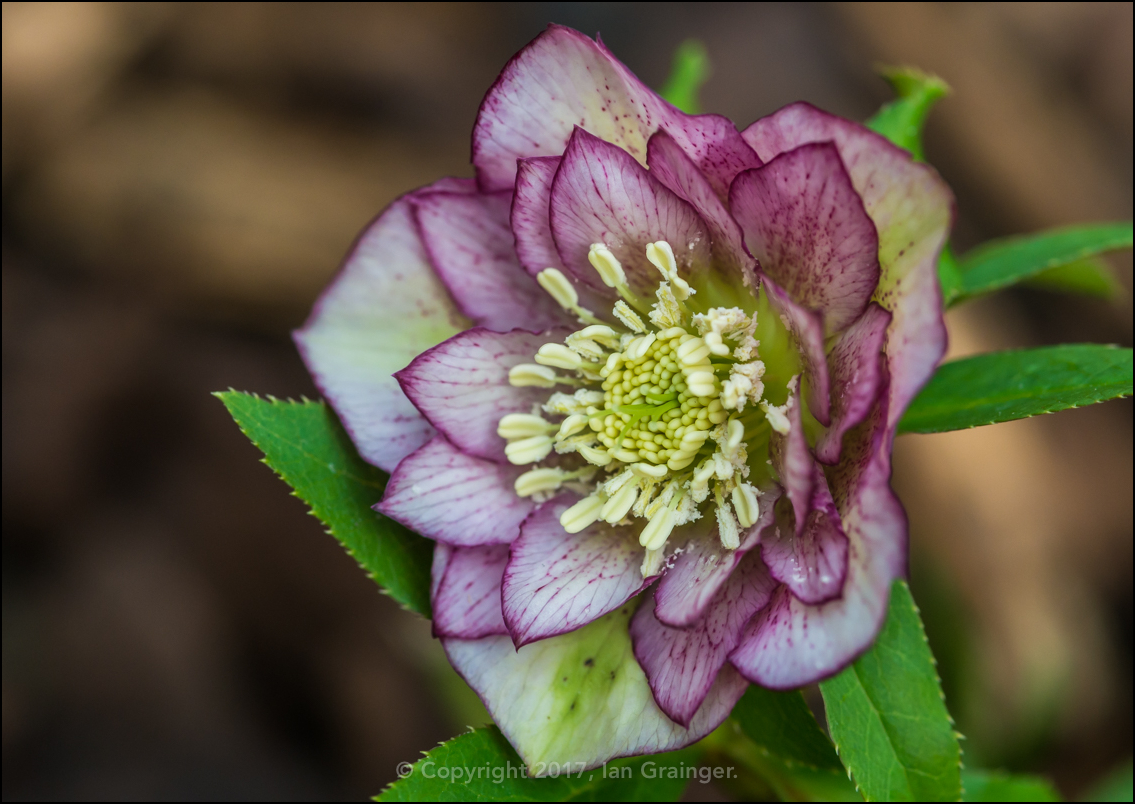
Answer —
656 414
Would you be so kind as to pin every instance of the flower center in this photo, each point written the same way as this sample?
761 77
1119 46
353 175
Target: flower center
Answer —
658 415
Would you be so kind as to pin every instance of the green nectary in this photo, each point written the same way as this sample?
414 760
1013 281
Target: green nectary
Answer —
667 415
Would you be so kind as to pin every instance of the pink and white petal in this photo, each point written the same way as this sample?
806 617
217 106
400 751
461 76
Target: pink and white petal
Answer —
581 697
556 581
794 465
681 664
560 80
811 561
791 643
806 224
467 600
385 306
532 227
703 566
529 217
912 208
449 496
856 365
716 148
462 387
602 195
442 554
674 168
470 244
807 330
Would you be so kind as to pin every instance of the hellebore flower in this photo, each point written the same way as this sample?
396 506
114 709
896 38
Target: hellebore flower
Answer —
640 380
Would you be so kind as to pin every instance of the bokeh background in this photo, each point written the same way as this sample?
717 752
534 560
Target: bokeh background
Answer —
179 181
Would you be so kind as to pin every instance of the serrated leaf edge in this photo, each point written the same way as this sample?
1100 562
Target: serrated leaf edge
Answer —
311 509
941 695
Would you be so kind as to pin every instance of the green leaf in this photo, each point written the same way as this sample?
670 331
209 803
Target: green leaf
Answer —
785 745
1003 386
888 717
1087 277
305 445
1001 263
482 766
983 785
1116 786
689 71
949 275
901 120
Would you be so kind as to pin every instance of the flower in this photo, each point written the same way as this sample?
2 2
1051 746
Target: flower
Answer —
640 380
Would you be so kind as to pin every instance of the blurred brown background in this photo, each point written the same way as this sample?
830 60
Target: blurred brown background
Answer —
179 181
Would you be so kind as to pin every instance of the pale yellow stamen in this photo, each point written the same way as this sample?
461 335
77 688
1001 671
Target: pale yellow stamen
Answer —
558 356
617 507
528 450
530 374
746 504
658 529
523 425
539 480
583 513
652 415
610 270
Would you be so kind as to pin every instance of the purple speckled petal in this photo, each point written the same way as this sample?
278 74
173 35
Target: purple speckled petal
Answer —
462 387
791 643
810 560
698 572
442 553
717 150
912 209
466 599
807 330
806 224
602 195
674 168
556 581
681 664
531 225
385 306
794 464
857 370
470 243
532 228
446 495
560 80
581 697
